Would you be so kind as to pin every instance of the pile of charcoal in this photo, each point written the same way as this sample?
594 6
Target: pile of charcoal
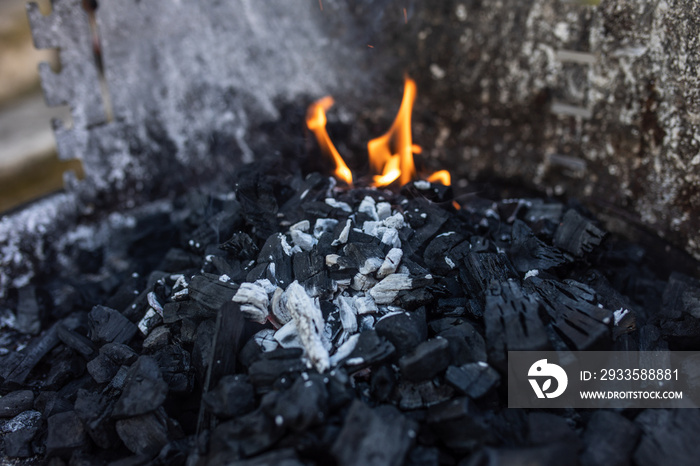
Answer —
293 322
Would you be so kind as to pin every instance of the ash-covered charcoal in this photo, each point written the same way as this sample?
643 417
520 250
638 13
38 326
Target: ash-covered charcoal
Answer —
577 234
18 433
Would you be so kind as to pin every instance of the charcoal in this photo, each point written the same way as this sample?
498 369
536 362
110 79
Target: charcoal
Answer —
28 311
175 367
459 424
65 434
546 428
65 366
383 383
22 363
426 360
413 299
388 289
435 192
50 402
303 405
17 434
15 402
357 237
94 410
474 379
76 341
423 456
577 234
307 264
405 330
281 457
609 439
309 322
146 434
681 296
479 269
188 330
229 338
244 436
574 313
119 353
555 454
102 368
158 338
512 323
233 396
368 256
466 344
530 253
277 251
108 325
380 436
201 352
415 395
264 372
437 254
144 391
668 437
370 349
210 292
172 312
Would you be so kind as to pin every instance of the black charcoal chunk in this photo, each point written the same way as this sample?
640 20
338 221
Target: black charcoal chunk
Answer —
172 312
158 338
93 410
264 372
545 428
119 353
609 439
669 436
426 360
210 292
65 434
233 396
15 402
480 269
28 311
50 403
144 390
370 349
102 369
405 330
276 251
241 246
373 437
459 424
306 264
17 434
244 436
76 341
281 457
144 435
438 254
466 344
65 367
528 252
512 323
108 325
201 352
303 405
415 395
174 363
474 379
577 234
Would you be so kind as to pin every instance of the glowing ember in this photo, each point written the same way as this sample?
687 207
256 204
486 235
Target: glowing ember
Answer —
390 155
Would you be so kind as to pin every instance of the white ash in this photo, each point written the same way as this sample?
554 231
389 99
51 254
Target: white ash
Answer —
285 245
531 273
332 259
278 308
365 305
344 282
373 228
391 238
181 295
224 278
309 322
344 350
344 206
265 338
366 322
304 240
448 233
386 290
253 300
619 314
343 237
355 361
288 336
180 282
449 262
150 320
422 185
304 225
324 225
347 313
153 302
368 206
391 263
395 221
383 210
267 285
362 282
370 265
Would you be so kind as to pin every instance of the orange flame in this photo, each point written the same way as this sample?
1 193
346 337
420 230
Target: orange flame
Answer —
316 122
390 155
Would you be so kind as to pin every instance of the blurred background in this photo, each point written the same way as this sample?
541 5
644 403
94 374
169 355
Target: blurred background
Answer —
29 165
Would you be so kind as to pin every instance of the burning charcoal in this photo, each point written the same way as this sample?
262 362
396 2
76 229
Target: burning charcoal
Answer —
17 434
380 436
244 436
16 371
76 341
466 344
253 300
459 424
65 434
426 360
232 397
480 269
145 389
210 292
609 439
574 313
577 234
668 437
15 402
28 311
405 330
390 264
512 323
388 289
303 405
107 326
368 206
383 383
145 434
93 410
528 252
474 379
309 322
424 227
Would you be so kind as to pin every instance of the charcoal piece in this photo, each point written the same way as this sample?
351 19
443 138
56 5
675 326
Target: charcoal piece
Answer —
306 264
177 260
480 269
466 344
437 254
409 396
220 266
555 454
190 310
416 395
577 234
65 366
175 366
575 315
379 436
668 437
413 299
357 237
119 353
512 323
244 436
474 379
158 338
434 192
277 251
65 434
146 434
108 325
609 439
76 341
308 318
320 285
102 368
210 292
201 352
426 360
370 349
16 370
231 397
545 428
388 289
28 311
383 383
459 424
229 338
264 372
144 390
303 405
94 410
15 402
405 330
424 227
17 434
241 246
368 257
529 252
